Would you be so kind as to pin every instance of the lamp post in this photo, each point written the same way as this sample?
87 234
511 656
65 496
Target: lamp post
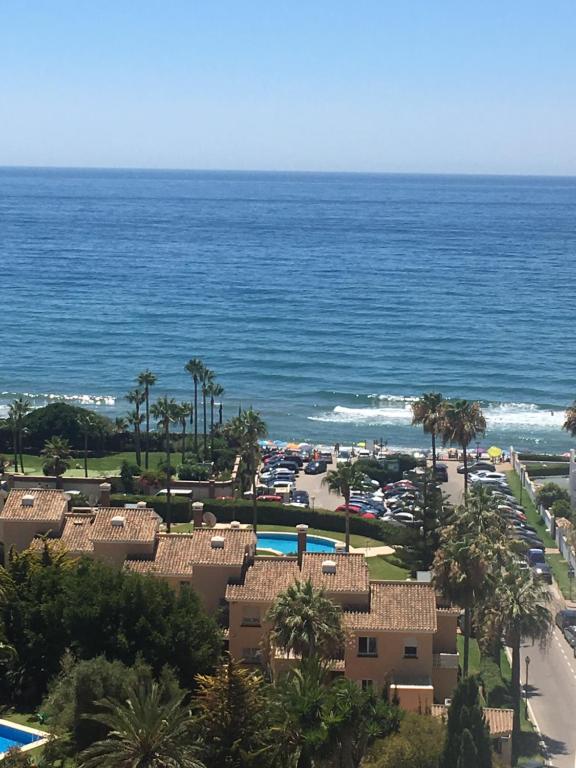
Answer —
312 499
570 579
527 662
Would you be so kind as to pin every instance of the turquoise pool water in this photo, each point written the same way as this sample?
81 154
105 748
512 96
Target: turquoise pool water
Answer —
13 736
287 543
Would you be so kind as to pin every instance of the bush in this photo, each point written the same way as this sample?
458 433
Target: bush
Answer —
561 508
193 472
550 493
548 470
524 457
64 420
276 514
419 742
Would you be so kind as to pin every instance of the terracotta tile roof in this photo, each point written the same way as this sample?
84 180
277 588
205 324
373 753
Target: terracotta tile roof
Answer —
76 536
177 554
499 720
351 572
48 505
265 580
396 607
237 542
139 525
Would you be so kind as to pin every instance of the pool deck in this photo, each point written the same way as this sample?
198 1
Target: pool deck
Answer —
43 735
366 551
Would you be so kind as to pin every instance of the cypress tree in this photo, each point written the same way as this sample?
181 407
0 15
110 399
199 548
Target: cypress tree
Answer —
465 716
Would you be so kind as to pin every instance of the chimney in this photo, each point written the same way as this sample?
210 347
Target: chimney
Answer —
118 521
104 499
328 566
141 505
340 548
28 500
197 513
217 542
302 535
235 525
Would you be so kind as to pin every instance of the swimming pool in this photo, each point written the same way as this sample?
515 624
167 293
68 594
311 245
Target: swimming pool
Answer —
287 543
13 735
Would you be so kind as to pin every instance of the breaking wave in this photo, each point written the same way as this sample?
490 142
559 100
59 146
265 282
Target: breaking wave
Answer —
39 399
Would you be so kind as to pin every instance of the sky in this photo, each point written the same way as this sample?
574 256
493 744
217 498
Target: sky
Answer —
412 86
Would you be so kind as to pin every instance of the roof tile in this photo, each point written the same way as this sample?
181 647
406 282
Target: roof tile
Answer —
396 607
49 505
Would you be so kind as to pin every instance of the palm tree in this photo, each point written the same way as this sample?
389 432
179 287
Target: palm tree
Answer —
195 367
245 431
56 453
207 380
87 426
165 411
17 412
517 612
183 411
428 411
149 730
570 423
134 419
147 379
305 622
342 480
215 390
136 398
462 422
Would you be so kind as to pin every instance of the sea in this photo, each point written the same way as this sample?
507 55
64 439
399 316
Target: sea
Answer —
328 302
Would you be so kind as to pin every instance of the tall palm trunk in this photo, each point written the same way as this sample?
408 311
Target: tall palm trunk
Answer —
516 694
86 454
183 439
137 445
147 396
434 453
467 630
220 413
465 473
168 480
20 441
205 425
15 447
254 500
196 415
212 428
347 519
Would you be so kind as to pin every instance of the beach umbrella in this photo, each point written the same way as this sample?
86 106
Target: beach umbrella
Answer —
280 443
292 446
262 443
361 444
305 446
494 452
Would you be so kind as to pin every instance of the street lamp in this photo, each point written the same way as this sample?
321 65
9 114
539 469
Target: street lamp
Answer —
527 662
312 499
570 579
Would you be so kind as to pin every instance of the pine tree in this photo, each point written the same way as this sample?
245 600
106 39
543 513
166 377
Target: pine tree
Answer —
465 716
468 753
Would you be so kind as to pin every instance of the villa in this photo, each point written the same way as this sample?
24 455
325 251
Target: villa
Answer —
400 636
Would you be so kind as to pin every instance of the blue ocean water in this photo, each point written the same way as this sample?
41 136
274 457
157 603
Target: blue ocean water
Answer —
326 301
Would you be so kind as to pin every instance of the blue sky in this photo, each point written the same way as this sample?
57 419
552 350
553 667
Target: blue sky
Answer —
371 85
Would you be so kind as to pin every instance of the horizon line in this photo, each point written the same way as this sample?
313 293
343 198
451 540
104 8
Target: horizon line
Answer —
303 172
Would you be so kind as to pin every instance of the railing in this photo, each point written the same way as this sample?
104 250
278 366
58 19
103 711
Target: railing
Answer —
445 660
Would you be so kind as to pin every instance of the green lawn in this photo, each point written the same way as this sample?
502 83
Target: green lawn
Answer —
355 540
559 568
532 515
105 465
386 567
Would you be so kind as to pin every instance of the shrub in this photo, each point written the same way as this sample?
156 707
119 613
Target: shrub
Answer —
561 508
64 420
271 513
419 742
550 493
193 472
548 470
542 457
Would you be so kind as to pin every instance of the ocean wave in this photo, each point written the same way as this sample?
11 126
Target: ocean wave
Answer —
47 397
500 416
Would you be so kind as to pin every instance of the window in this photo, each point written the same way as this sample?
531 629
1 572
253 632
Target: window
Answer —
251 617
367 684
367 646
410 652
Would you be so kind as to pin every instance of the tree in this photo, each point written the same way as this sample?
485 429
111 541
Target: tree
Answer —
183 411
165 411
342 480
216 390
88 426
417 744
207 380
305 622
551 492
251 428
428 412
516 611
147 379
17 412
146 731
462 422
570 421
64 420
195 367
233 717
136 398
57 455
468 736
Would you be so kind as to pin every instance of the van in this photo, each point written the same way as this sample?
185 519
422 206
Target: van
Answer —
534 556
566 618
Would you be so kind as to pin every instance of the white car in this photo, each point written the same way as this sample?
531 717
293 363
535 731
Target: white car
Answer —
363 453
283 486
344 456
489 475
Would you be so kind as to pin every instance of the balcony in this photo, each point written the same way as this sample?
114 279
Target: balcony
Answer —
445 660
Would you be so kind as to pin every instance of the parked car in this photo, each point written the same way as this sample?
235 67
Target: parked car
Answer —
315 468
270 497
351 508
295 457
291 465
534 556
569 633
369 515
566 618
476 466
186 492
344 456
542 571
404 517
441 472
301 497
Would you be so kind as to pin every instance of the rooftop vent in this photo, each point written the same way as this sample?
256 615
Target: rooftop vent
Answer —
217 542
235 524
28 500
141 505
340 547
328 566
118 521
77 522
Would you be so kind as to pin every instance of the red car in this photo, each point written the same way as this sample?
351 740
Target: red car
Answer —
270 497
368 516
351 508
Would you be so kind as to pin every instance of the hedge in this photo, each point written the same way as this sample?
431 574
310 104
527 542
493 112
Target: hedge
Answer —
548 470
553 458
275 514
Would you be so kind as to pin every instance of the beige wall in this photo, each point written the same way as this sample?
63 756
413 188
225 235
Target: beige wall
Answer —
19 533
414 698
241 637
114 553
390 661
445 637
353 600
210 582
